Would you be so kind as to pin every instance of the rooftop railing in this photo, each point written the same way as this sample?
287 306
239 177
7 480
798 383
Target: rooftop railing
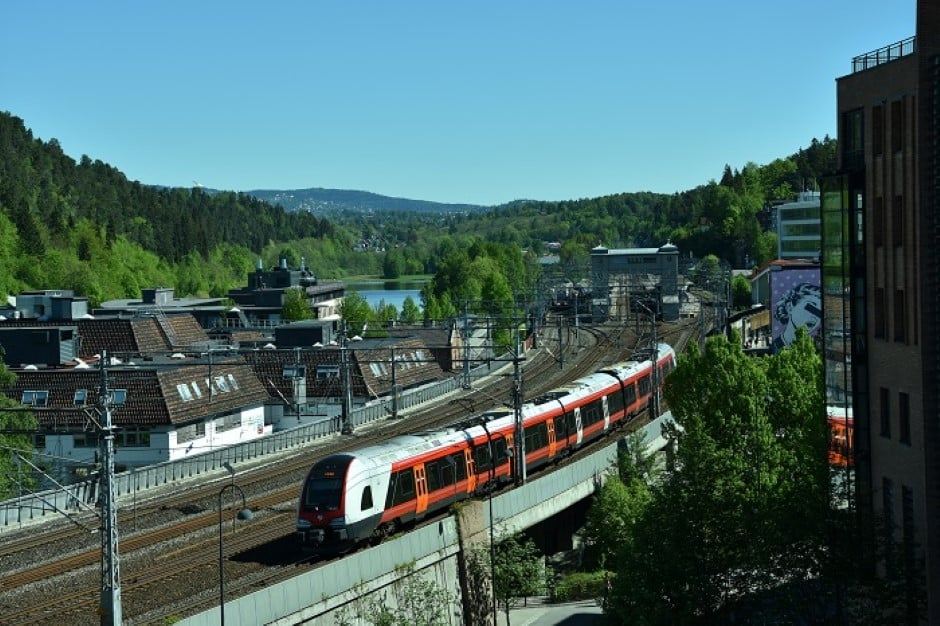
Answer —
883 55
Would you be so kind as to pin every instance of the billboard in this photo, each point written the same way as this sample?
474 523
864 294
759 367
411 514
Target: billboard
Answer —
796 301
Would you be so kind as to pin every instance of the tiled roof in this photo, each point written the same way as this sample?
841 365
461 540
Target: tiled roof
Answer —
370 372
153 396
414 365
124 337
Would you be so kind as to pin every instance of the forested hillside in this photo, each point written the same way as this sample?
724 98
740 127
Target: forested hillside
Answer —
730 217
83 226
328 202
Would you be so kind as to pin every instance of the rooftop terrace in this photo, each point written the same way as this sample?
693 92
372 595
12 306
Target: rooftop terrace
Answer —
883 55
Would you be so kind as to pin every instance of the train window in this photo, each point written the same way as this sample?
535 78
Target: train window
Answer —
460 466
561 431
630 393
615 402
536 437
645 386
433 472
481 456
570 422
404 486
366 503
323 494
448 471
592 413
499 447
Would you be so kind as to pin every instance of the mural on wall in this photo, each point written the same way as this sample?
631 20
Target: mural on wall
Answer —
797 301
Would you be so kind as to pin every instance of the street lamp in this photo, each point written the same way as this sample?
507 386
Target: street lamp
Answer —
244 514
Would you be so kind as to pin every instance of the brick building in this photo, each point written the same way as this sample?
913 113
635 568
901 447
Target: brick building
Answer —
880 270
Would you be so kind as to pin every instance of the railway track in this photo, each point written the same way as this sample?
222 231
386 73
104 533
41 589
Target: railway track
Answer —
177 551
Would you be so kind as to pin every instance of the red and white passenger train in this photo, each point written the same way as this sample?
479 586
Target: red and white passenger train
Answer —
367 494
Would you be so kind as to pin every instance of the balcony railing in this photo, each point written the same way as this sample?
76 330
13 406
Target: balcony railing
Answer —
883 55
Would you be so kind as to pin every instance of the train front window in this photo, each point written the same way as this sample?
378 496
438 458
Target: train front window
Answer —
323 494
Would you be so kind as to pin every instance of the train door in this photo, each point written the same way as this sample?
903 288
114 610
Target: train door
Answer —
421 489
552 445
606 409
471 470
578 426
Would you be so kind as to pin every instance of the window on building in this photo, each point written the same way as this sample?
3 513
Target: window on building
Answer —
897 221
229 422
887 505
880 327
897 125
35 398
878 130
910 552
327 371
196 390
900 316
185 394
118 397
904 418
80 398
231 381
884 406
85 440
878 222
852 133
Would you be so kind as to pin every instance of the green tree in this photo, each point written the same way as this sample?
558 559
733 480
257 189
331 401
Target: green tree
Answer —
15 439
740 292
410 313
746 506
518 571
394 264
355 312
294 306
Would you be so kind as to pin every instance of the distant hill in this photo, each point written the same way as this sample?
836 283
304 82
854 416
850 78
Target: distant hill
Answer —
325 201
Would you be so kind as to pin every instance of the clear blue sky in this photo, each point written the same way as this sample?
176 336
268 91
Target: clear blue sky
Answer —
480 102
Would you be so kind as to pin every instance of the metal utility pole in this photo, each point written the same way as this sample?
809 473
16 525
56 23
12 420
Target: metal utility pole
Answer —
520 474
654 404
394 385
110 605
466 347
347 428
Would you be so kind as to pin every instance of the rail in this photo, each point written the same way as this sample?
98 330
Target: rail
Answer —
37 507
885 54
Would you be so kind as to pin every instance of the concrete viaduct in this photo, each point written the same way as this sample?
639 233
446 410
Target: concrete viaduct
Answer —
433 551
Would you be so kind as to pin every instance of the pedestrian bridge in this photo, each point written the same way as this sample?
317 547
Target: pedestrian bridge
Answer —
322 595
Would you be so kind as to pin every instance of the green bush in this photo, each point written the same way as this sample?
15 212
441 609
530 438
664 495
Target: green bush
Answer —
581 586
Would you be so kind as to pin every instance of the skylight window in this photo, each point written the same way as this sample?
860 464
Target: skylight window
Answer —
185 394
35 398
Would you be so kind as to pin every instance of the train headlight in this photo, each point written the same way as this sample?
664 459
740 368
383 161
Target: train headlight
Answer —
338 522
303 524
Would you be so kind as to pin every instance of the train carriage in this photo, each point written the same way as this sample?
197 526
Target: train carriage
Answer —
365 495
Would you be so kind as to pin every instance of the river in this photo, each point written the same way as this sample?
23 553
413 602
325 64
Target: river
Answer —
392 292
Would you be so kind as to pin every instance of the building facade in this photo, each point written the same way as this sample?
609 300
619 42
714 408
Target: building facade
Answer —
880 279
798 227
631 277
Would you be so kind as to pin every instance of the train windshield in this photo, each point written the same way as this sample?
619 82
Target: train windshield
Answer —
324 489
323 494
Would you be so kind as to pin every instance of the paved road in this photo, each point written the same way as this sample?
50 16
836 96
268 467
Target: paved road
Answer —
537 613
